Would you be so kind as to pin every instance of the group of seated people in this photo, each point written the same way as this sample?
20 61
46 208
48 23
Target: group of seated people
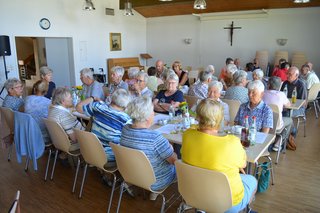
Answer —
125 112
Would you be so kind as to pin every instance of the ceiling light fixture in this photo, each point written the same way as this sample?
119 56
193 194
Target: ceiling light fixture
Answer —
301 1
88 5
200 4
128 9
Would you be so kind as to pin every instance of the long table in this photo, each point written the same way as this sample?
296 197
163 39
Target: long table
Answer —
295 106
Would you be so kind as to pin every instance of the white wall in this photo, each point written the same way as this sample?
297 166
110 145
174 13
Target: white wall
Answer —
211 42
67 18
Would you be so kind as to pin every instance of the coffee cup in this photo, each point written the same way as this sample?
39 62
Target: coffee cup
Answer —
236 130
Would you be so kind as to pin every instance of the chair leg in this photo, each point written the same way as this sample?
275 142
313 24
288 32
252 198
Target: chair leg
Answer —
279 150
181 208
54 164
163 203
315 108
271 168
112 191
304 126
83 179
120 196
48 165
9 152
76 176
27 164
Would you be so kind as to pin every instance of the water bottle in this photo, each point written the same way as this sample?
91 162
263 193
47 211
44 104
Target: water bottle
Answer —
285 91
172 112
252 131
294 96
186 121
74 97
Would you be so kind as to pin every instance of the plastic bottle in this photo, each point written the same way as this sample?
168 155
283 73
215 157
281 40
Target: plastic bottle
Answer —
294 96
186 120
285 91
172 111
244 132
74 97
252 131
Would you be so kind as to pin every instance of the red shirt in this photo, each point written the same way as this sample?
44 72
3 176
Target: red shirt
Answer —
281 73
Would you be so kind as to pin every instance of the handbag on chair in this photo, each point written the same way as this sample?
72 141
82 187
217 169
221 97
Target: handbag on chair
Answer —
291 144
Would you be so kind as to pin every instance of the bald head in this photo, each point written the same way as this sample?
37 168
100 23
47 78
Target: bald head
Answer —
159 67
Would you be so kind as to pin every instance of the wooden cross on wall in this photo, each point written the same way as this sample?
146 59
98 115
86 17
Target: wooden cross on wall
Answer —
231 28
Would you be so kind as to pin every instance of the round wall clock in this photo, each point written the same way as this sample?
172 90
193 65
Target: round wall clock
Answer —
44 23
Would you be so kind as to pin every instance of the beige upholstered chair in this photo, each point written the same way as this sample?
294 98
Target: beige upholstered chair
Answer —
233 108
279 55
263 58
93 154
15 207
191 100
61 142
312 97
136 169
278 132
193 76
8 116
203 189
298 59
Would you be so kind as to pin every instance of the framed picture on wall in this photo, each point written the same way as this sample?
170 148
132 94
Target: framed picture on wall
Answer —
115 41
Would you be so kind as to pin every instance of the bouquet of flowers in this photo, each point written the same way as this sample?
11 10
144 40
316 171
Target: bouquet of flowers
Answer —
183 106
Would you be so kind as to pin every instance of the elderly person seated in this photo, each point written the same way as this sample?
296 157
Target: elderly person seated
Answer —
13 99
278 98
91 87
214 93
108 120
200 90
157 148
258 75
256 107
206 148
117 73
153 80
46 75
278 66
183 75
228 79
281 72
140 86
164 76
309 77
170 96
160 68
223 72
238 91
38 106
249 69
132 74
210 68
292 83
60 112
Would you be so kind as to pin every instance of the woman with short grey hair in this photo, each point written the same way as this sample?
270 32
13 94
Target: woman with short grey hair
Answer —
46 75
13 99
60 112
117 73
108 119
87 72
214 93
257 74
238 91
200 89
170 96
257 108
157 148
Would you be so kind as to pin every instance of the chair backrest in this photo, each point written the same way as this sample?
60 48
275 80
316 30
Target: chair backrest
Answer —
313 92
91 149
234 106
203 189
276 109
8 115
134 166
280 54
191 100
275 122
193 76
58 136
15 207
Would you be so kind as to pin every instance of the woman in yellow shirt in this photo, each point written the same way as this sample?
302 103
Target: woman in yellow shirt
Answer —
205 148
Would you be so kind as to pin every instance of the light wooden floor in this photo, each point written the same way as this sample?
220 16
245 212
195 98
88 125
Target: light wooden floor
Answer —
296 189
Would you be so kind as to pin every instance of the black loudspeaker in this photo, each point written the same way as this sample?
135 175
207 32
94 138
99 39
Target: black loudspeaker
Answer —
4 45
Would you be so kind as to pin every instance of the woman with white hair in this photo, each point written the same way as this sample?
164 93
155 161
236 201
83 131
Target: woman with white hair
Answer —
60 112
140 86
228 79
204 147
258 75
170 96
157 148
117 73
200 90
108 119
214 93
46 75
256 107
132 74
238 91
91 87
13 99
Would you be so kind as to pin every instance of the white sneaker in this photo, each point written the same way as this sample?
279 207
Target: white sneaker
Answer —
153 196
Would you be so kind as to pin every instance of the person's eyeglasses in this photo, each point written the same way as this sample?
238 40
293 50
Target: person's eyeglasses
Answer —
18 87
139 81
